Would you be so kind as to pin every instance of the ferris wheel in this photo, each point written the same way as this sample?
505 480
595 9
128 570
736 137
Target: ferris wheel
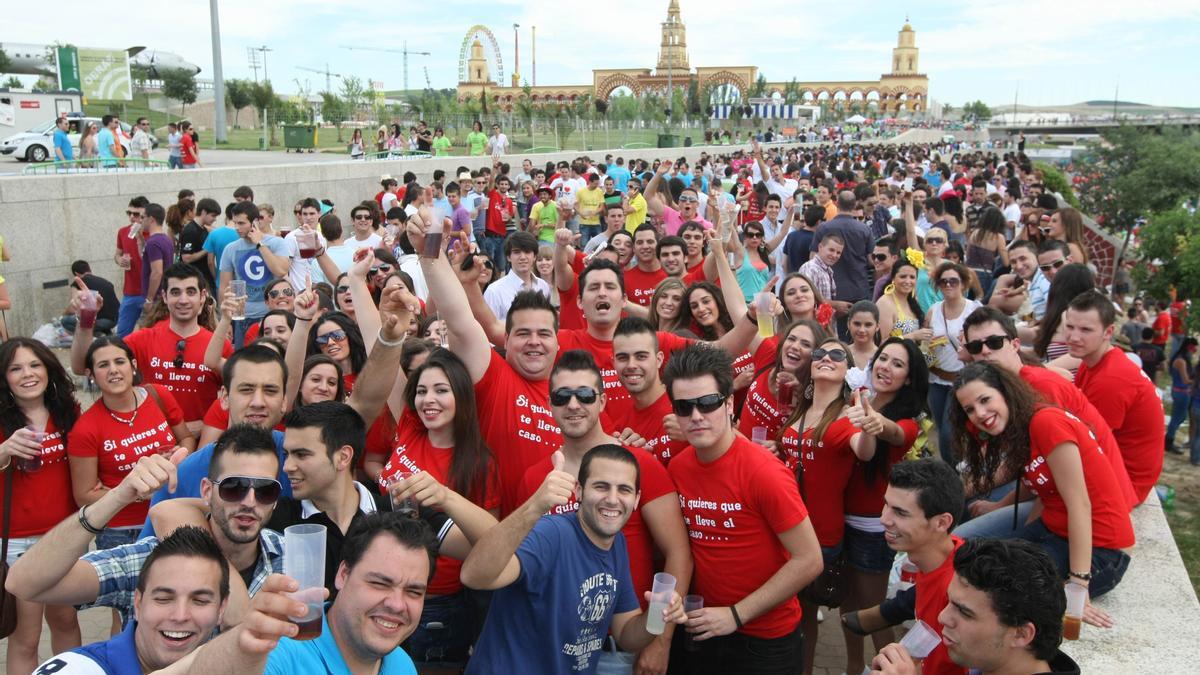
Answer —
464 53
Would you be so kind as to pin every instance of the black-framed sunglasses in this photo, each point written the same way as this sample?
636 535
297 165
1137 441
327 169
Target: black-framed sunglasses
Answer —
384 269
284 292
879 257
235 488
835 355
934 240
750 234
1052 266
179 347
683 407
362 216
133 214
323 340
562 396
342 289
993 342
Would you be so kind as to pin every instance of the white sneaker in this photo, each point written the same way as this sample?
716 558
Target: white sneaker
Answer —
820 615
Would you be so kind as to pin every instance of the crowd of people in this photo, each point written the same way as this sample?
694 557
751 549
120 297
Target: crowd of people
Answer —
515 397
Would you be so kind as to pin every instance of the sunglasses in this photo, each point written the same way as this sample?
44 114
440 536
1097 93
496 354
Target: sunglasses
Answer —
879 257
342 289
381 268
133 214
562 396
296 212
689 199
993 343
935 240
323 340
179 346
949 282
835 355
362 216
235 489
1052 266
684 407
754 235
284 292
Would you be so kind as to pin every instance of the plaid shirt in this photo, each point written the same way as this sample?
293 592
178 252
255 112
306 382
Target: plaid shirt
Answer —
821 276
118 569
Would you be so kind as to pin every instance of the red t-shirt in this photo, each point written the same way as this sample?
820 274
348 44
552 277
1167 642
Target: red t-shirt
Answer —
133 275
413 452
932 598
734 508
498 205
758 360
1059 391
251 334
381 437
117 446
187 149
639 285
648 423
194 384
1178 312
44 498
761 408
828 464
516 423
618 401
1127 399
1162 328
863 496
1049 428
570 315
640 543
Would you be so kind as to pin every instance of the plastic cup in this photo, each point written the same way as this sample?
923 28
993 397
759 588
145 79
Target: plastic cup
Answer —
759 435
920 640
1073 620
306 240
238 288
407 506
766 322
660 597
304 561
33 464
89 304
692 603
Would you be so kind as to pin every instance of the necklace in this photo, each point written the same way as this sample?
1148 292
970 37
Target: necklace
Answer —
120 419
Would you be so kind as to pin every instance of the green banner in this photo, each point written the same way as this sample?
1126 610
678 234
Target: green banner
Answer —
68 69
105 74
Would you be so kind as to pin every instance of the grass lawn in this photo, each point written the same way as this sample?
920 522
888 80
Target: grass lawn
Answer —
1184 518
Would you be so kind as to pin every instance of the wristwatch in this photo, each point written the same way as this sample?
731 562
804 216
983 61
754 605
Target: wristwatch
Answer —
258 246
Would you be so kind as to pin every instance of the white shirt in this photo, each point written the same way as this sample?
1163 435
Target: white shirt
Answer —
410 264
498 144
388 202
301 269
500 294
373 240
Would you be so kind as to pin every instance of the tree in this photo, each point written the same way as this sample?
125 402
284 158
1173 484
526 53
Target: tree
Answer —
263 96
5 62
238 96
353 94
977 111
45 83
333 110
179 85
791 92
693 97
13 82
760 87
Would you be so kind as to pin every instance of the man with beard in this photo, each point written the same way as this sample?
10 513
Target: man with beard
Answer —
240 491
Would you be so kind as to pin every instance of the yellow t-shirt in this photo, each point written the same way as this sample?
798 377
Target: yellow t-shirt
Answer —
589 201
637 213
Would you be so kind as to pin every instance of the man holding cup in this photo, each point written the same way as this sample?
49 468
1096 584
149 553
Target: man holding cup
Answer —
254 259
562 582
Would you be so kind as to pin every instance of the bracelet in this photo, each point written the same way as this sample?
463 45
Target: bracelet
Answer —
83 522
386 343
736 619
753 321
1087 576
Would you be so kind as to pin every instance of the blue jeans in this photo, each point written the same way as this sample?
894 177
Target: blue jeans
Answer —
129 313
240 328
111 537
1195 454
1180 401
939 405
444 635
174 161
1108 565
997 524
102 325
586 232
493 247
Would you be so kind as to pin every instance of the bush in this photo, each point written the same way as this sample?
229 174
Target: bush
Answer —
1056 181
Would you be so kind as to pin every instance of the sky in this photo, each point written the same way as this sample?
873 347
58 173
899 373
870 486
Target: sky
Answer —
1039 52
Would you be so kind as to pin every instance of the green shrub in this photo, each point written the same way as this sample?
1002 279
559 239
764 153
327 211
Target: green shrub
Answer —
1056 181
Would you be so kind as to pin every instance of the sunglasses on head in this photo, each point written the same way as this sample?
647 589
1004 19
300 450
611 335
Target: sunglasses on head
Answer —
993 343
1052 266
235 489
683 407
836 355
562 396
323 340
179 347
285 292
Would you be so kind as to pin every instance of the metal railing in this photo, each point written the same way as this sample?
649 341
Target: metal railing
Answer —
92 165
396 154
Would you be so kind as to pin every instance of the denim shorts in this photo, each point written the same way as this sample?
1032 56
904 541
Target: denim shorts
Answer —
444 637
867 552
112 537
18 546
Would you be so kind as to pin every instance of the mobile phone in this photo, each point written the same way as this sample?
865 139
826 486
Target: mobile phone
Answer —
908 184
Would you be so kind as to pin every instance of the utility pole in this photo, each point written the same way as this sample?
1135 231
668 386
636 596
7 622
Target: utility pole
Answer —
252 57
534 41
218 78
516 81
263 50
1116 93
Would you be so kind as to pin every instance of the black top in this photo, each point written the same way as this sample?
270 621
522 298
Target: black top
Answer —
107 293
1062 664
850 272
191 240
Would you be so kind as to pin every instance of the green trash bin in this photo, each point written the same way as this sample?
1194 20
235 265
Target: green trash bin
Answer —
299 136
668 140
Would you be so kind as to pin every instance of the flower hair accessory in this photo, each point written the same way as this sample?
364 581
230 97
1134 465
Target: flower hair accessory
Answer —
824 313
915 258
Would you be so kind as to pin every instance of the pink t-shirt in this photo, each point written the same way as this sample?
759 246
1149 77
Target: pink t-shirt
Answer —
672 221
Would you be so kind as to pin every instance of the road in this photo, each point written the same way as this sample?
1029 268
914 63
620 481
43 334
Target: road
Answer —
11 167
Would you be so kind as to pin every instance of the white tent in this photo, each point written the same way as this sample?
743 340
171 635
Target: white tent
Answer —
856 119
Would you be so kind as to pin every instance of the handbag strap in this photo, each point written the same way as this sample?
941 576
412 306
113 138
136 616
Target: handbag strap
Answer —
8 490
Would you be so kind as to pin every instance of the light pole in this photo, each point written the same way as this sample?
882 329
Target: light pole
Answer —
218 80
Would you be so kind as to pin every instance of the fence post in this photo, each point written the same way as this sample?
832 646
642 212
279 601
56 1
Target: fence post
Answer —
557 141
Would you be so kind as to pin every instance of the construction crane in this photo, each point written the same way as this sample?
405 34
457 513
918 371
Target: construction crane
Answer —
405 51
328 75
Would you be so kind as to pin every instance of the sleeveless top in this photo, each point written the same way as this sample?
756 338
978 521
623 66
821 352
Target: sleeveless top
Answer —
980 258
904 324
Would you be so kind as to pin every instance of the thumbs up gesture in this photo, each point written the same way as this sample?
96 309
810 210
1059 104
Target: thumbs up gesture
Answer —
558 487
862 415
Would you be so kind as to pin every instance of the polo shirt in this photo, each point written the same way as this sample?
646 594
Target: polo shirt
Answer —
321 655
115 656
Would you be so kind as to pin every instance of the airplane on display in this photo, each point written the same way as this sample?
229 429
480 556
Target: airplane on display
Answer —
31 59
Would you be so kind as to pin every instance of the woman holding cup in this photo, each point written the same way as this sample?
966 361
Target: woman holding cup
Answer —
773 394
37 411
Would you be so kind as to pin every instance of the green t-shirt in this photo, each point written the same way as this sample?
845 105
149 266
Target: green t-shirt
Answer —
546 217
441 146
477 141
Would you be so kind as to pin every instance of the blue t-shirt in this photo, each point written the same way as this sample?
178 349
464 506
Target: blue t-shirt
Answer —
620 176
321 655
686 179
244 260
555 616
115 656
104 142
195 467
215 243
62 142
797 247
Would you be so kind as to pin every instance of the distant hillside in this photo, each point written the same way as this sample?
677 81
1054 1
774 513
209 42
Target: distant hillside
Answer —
1109 104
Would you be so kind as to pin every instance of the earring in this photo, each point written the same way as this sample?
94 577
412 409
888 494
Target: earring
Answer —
808 391
984 436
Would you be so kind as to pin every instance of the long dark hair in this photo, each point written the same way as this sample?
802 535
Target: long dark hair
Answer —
835 407
59 397
913 305
685 311
1070 281
1009 451
358 351
470 463
312 362
910 401
1182 353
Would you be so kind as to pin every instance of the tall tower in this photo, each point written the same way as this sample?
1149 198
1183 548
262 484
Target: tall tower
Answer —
672 55
477 66
905 54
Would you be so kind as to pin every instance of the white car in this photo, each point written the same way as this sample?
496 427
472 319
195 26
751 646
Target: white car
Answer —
37 144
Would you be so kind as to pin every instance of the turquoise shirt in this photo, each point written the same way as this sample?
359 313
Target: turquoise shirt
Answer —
321 655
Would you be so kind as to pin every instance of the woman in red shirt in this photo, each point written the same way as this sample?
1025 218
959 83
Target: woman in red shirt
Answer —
439 434
36 394
764 407
1083 522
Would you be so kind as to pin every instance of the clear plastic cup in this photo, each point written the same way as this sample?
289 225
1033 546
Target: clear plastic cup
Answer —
766 322
660 597
407 506
33 464
920 640
759 435
237 287
304 561
692 603
306 241
89 304
1077 597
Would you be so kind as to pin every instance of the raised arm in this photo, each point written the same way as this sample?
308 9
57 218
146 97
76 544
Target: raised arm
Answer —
374 384
305 308
654 201
214 356
278 265
366 314
910 222
471 521
564 254
783 231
